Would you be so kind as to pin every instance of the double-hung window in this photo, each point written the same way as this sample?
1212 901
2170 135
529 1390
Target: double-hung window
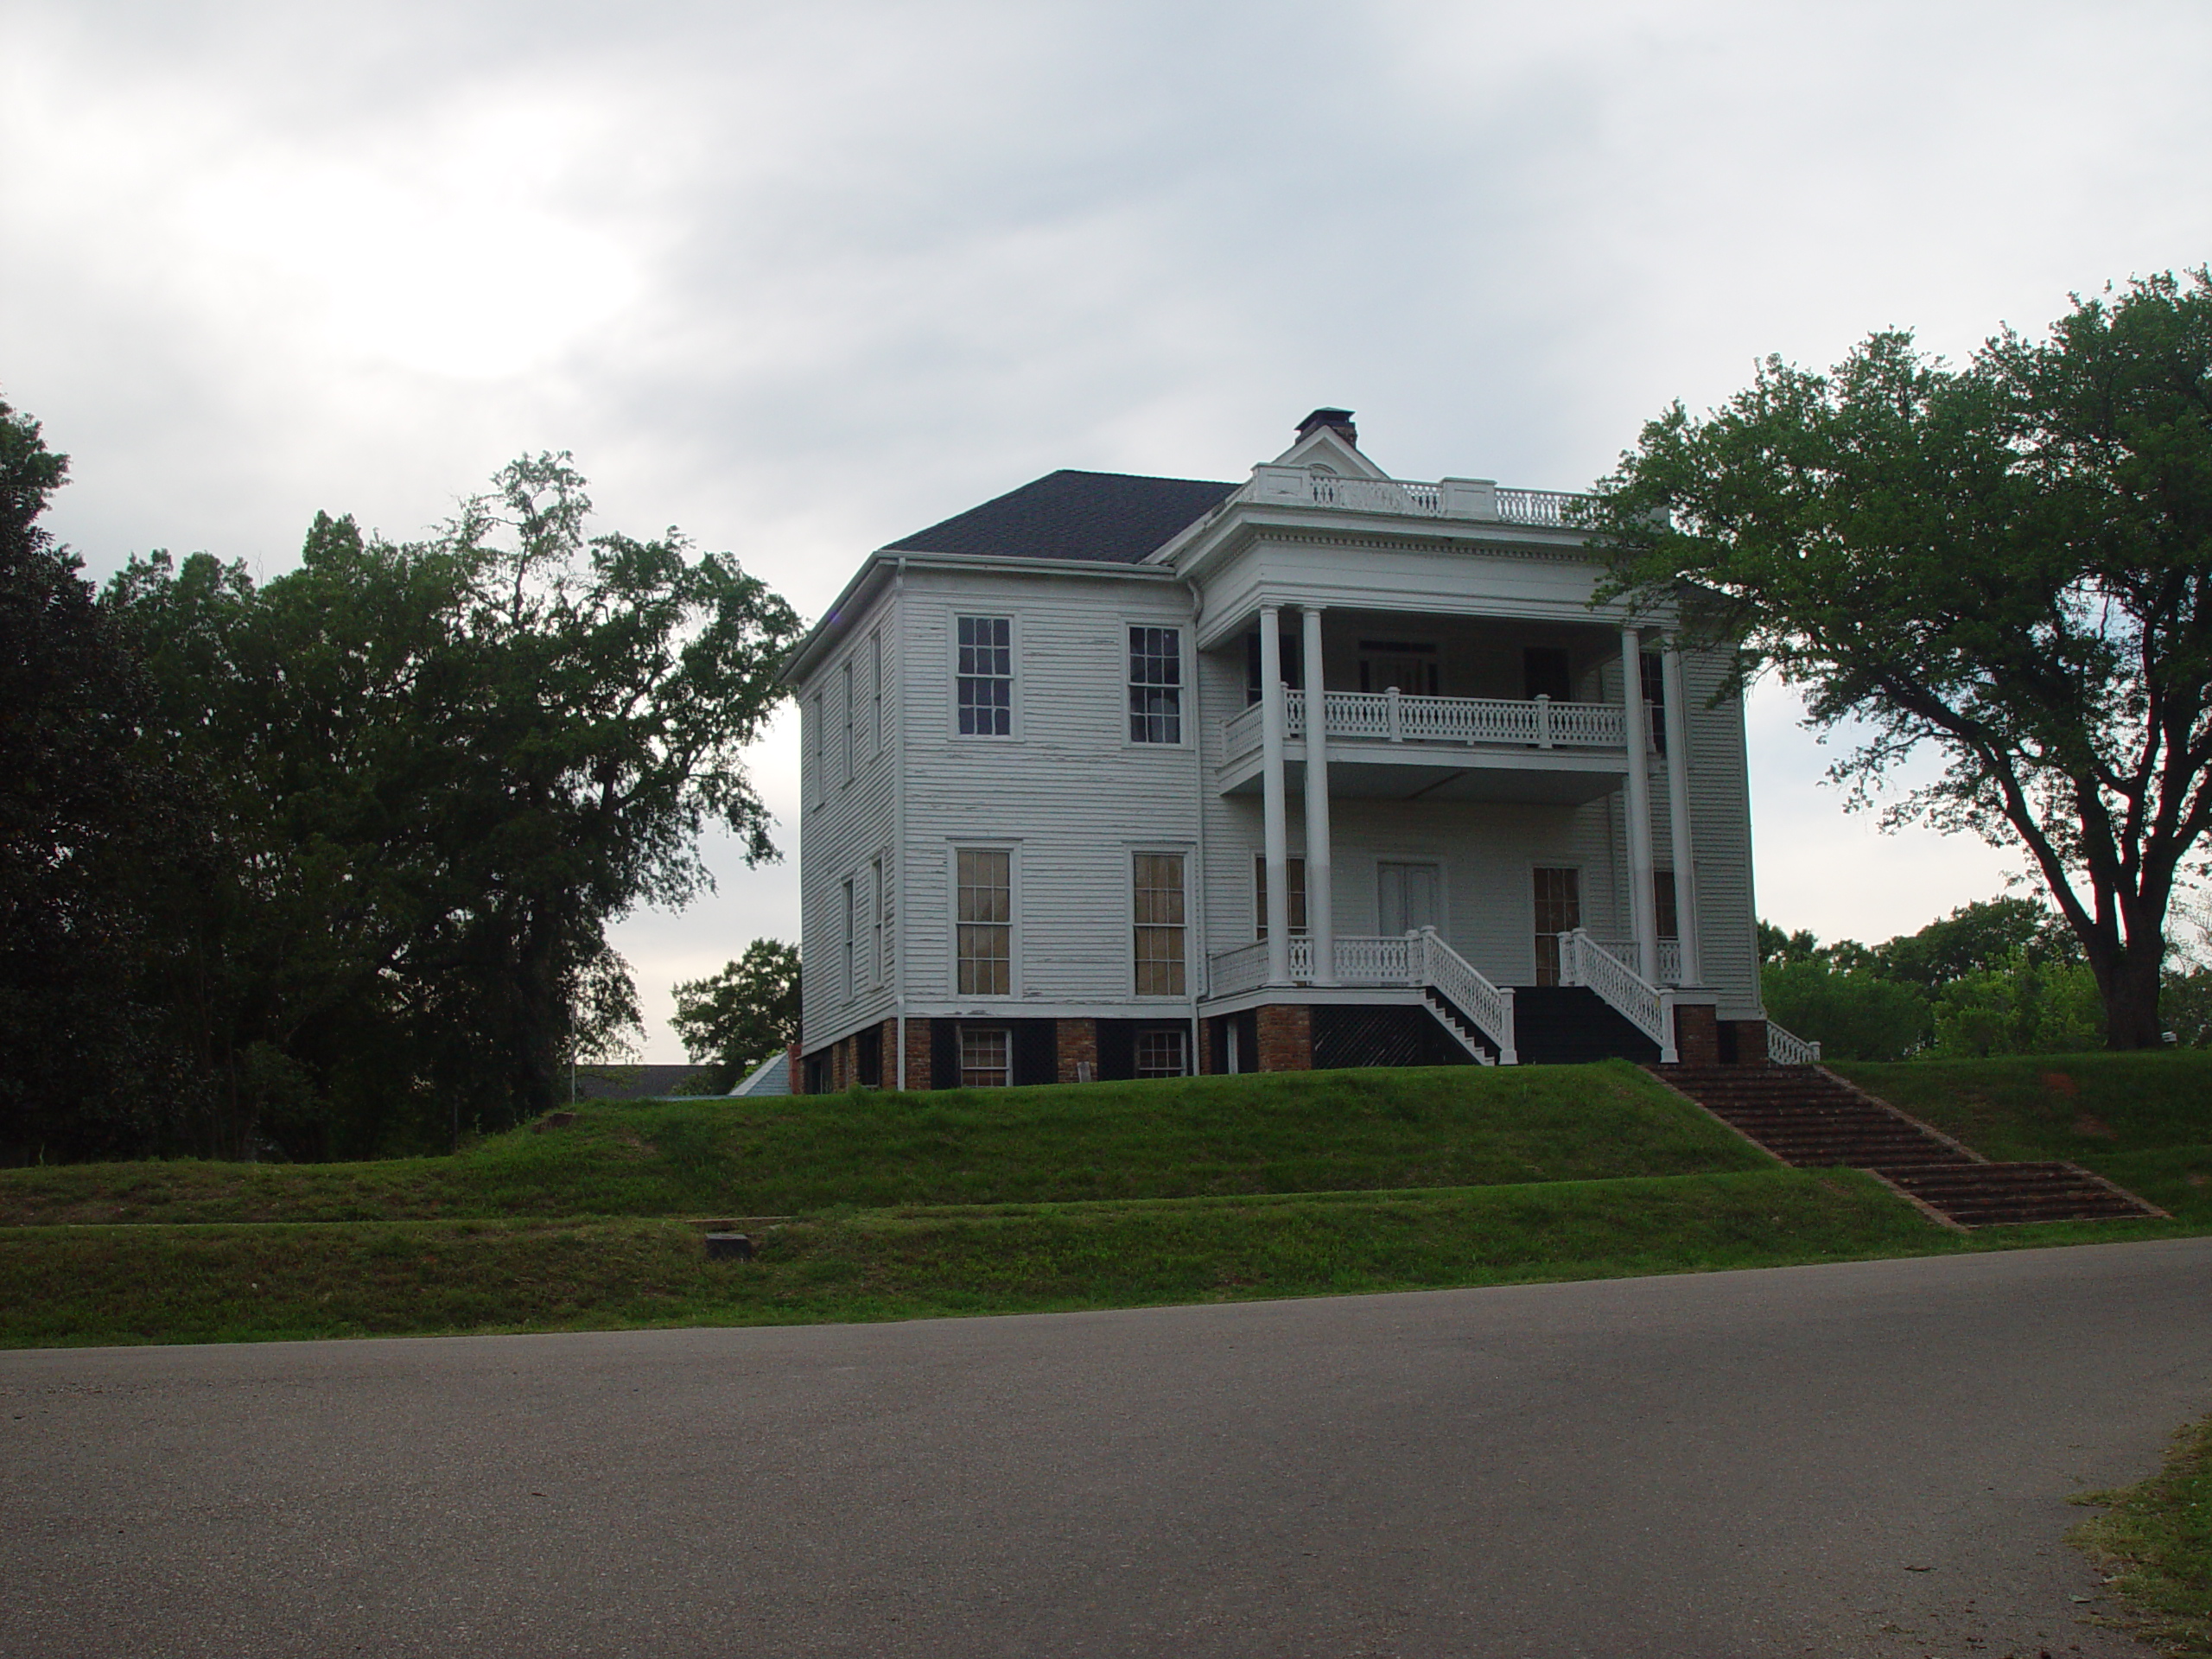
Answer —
986 1057
1155 685
852 938
1159 913
879 918
985 676
985 925
845 687
875 684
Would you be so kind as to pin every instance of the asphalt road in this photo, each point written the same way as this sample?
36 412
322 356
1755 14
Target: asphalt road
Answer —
1870 1459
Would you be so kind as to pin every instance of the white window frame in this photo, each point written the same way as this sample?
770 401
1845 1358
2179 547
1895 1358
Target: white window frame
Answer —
1013 851
880 918
845 684
821 748
851 936
1005 1074
1185 701
875 685
1182 1036
1013 676
1185 855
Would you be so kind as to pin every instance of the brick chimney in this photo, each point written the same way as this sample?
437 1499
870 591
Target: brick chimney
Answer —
1338 421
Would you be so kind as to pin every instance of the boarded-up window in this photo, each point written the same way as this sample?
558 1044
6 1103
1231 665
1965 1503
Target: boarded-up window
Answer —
1559 910
1160 923
985 922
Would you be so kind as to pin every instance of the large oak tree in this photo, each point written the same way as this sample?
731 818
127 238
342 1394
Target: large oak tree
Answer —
443 768
2009 562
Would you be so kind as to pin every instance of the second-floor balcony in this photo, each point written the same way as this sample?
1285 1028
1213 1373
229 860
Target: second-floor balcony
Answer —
1391 744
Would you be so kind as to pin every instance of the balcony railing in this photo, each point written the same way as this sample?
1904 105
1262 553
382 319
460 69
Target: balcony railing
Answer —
1453 497
1458 723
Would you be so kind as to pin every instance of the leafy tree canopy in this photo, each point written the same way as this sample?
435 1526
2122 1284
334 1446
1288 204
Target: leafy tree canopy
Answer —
444 767
2010 561
742 1015
89 830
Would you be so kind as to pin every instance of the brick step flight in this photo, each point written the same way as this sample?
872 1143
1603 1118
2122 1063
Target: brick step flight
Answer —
1811 1119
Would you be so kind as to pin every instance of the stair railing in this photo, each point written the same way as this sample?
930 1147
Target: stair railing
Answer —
1582 961
1490 1007
1787 1048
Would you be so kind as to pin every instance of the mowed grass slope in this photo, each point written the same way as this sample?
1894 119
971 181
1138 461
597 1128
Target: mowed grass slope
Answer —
1313 1132
1101 1195
111 1285
2143 1120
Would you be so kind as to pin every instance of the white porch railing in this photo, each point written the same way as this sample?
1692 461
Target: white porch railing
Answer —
1376 495
1463 723
1670 957
1421 959
1582 961
1787 1048
1455 498
1552 507
1490 1007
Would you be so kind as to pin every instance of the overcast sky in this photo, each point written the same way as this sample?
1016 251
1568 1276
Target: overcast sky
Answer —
802 278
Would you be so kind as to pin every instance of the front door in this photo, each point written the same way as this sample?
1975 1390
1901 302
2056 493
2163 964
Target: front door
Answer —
1410 897
1559 910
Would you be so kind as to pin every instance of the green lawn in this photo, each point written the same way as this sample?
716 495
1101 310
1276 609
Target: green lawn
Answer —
1311 1132
2142 1120
229 1282
1102 1195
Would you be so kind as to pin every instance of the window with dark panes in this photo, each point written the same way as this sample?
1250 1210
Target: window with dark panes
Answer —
985 676
985 926
1653 677
986 1057
1163 1052
1156 685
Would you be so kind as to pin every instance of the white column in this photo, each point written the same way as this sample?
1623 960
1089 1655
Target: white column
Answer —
1643 911
1272 809
1320 922
1678 810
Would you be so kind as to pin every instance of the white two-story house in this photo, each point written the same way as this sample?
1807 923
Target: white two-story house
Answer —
1139 776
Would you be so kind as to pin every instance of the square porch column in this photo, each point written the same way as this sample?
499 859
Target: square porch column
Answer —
1678 810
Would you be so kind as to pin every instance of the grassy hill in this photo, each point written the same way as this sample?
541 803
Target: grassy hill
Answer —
2142 1120
1207 1137
1098 1195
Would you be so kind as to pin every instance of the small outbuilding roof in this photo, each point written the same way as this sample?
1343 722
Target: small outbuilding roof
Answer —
1102 517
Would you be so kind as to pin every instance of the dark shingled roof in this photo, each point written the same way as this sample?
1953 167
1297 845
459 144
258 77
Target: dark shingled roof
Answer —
1112 517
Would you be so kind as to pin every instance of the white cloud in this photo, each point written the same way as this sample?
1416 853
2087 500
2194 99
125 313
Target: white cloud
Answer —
801 279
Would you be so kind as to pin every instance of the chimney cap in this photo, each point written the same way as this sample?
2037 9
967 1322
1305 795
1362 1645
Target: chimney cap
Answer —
1337 420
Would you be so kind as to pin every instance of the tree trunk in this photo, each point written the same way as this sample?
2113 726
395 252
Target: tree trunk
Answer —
2132 1002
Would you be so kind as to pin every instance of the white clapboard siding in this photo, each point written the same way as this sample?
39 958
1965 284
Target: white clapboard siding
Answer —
1068 791
845 825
